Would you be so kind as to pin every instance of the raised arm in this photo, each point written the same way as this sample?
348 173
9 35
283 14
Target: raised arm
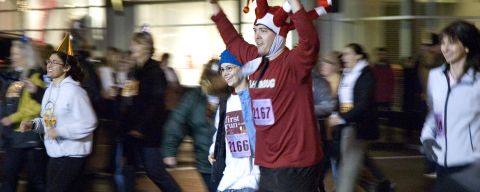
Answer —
304 55
232 39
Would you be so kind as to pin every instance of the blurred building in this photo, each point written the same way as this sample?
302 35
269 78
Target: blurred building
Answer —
183 27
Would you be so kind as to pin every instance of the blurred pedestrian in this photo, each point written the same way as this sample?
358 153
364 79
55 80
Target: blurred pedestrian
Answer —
174 89
356 122
325 75
451 133
148 113
22 103
194 115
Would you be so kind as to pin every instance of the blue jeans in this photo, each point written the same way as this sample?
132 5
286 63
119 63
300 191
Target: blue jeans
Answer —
239 190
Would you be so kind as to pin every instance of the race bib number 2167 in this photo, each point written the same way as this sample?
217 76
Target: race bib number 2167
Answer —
263 112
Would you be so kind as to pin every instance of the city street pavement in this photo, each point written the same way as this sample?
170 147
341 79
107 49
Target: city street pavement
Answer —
401 163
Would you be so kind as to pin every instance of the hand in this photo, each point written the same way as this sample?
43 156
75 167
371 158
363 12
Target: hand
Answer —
26 126
6 121
170 161
428 146
215 7
296 5
32 88
135 133
211 159
52 134
335 120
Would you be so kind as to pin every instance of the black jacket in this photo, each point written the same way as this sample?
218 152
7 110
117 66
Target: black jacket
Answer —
363 114
219 152
149 113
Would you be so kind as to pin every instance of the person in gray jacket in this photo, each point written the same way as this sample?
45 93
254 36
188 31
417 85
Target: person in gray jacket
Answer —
451 133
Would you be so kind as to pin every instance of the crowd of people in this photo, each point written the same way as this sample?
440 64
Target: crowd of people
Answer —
265 117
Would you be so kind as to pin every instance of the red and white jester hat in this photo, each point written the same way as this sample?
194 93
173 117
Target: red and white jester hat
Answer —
275 17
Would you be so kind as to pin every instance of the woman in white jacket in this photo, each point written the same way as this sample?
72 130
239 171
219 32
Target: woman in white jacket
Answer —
67 121
451 133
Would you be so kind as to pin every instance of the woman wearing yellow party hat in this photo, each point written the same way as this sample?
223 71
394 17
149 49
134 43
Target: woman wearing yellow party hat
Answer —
67 120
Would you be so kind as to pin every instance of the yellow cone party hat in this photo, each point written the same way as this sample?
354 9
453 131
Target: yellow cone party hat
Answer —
66 45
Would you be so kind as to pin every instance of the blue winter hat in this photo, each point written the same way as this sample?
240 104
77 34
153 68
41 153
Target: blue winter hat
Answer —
227 57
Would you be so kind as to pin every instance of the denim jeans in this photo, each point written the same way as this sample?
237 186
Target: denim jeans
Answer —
239 190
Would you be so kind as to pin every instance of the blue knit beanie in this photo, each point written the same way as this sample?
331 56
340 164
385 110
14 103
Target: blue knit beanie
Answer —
227 57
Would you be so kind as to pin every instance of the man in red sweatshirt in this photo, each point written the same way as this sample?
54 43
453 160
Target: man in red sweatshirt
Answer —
288 148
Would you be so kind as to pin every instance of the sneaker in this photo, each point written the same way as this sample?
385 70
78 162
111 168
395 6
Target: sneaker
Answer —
431 175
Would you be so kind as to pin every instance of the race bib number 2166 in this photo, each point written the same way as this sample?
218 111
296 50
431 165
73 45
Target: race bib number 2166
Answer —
263 112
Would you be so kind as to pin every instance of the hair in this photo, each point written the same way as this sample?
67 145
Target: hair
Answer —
358 49
28 52
76 71
217 85
145 39
165 56
469 36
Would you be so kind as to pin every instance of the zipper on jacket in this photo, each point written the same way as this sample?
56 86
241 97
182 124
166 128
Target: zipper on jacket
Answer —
445 119
470 133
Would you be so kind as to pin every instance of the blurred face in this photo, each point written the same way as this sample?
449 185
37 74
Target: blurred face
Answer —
453 51
327 69
230 74
56 67
349 57
137 49
16 56
263 38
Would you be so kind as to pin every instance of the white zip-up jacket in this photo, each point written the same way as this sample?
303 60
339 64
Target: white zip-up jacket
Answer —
454 117
76 120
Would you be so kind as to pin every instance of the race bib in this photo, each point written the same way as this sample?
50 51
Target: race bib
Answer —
236 135
130 88
15 89
239 145
263 112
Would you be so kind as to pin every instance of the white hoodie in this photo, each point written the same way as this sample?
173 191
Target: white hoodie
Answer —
76 119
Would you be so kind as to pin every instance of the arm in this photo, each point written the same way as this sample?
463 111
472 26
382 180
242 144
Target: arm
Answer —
84 119
302 58
324 102
173 130
234 41
27 109
428 130
211 150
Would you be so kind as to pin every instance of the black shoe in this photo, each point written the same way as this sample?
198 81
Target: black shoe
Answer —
385 186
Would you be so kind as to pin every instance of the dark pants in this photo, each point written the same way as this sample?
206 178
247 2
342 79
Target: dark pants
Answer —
34 160
208 182
445 183
64 174
289 179
156 171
